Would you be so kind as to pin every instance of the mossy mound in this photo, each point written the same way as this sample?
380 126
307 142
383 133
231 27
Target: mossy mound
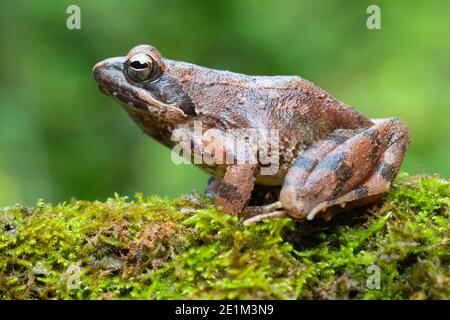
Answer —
153 248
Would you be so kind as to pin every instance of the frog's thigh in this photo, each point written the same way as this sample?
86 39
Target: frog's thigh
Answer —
236 187
376 186
358 169
309 159
302 168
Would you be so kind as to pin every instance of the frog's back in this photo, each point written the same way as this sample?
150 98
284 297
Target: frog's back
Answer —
285 102
194 74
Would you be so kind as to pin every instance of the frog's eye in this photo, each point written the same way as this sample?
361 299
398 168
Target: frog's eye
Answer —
140 67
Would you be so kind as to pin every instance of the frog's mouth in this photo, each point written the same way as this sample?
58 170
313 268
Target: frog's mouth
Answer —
110 77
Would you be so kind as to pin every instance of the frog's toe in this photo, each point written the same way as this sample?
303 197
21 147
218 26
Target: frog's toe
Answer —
264 216
252 211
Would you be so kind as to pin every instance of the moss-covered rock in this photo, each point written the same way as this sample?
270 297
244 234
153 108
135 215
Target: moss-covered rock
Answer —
153 248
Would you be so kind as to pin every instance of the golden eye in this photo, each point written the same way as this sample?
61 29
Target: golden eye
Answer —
140 67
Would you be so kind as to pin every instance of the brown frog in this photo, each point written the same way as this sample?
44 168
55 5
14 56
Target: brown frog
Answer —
330 155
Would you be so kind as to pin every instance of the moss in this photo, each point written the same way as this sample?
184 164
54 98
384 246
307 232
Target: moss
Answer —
153 248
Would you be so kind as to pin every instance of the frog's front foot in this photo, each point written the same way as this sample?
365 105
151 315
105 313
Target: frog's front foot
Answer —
349 167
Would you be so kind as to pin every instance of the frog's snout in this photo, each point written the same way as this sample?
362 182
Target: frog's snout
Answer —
96 65
108 74
99 70
109 68
97 74
96 70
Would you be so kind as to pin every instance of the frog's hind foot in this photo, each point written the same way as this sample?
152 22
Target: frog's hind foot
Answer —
345 169
253 211
264 216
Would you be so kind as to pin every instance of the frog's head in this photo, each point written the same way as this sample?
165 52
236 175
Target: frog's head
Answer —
142 83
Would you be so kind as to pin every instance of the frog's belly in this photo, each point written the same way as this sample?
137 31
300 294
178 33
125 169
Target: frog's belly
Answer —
266 175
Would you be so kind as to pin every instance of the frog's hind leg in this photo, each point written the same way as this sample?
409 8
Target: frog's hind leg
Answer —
302 168
357 171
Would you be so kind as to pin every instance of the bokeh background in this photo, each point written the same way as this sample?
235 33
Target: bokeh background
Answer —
61 138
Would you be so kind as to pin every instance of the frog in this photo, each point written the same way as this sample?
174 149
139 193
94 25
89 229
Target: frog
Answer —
331 157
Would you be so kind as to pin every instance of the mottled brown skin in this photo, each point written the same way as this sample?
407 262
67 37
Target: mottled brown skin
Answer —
330 154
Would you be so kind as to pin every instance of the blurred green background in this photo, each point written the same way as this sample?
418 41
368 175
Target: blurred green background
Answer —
60 137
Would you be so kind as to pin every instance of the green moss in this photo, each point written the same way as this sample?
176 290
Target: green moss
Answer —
153 248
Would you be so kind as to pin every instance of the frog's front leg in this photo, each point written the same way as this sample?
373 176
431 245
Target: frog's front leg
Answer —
341 170
236 187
